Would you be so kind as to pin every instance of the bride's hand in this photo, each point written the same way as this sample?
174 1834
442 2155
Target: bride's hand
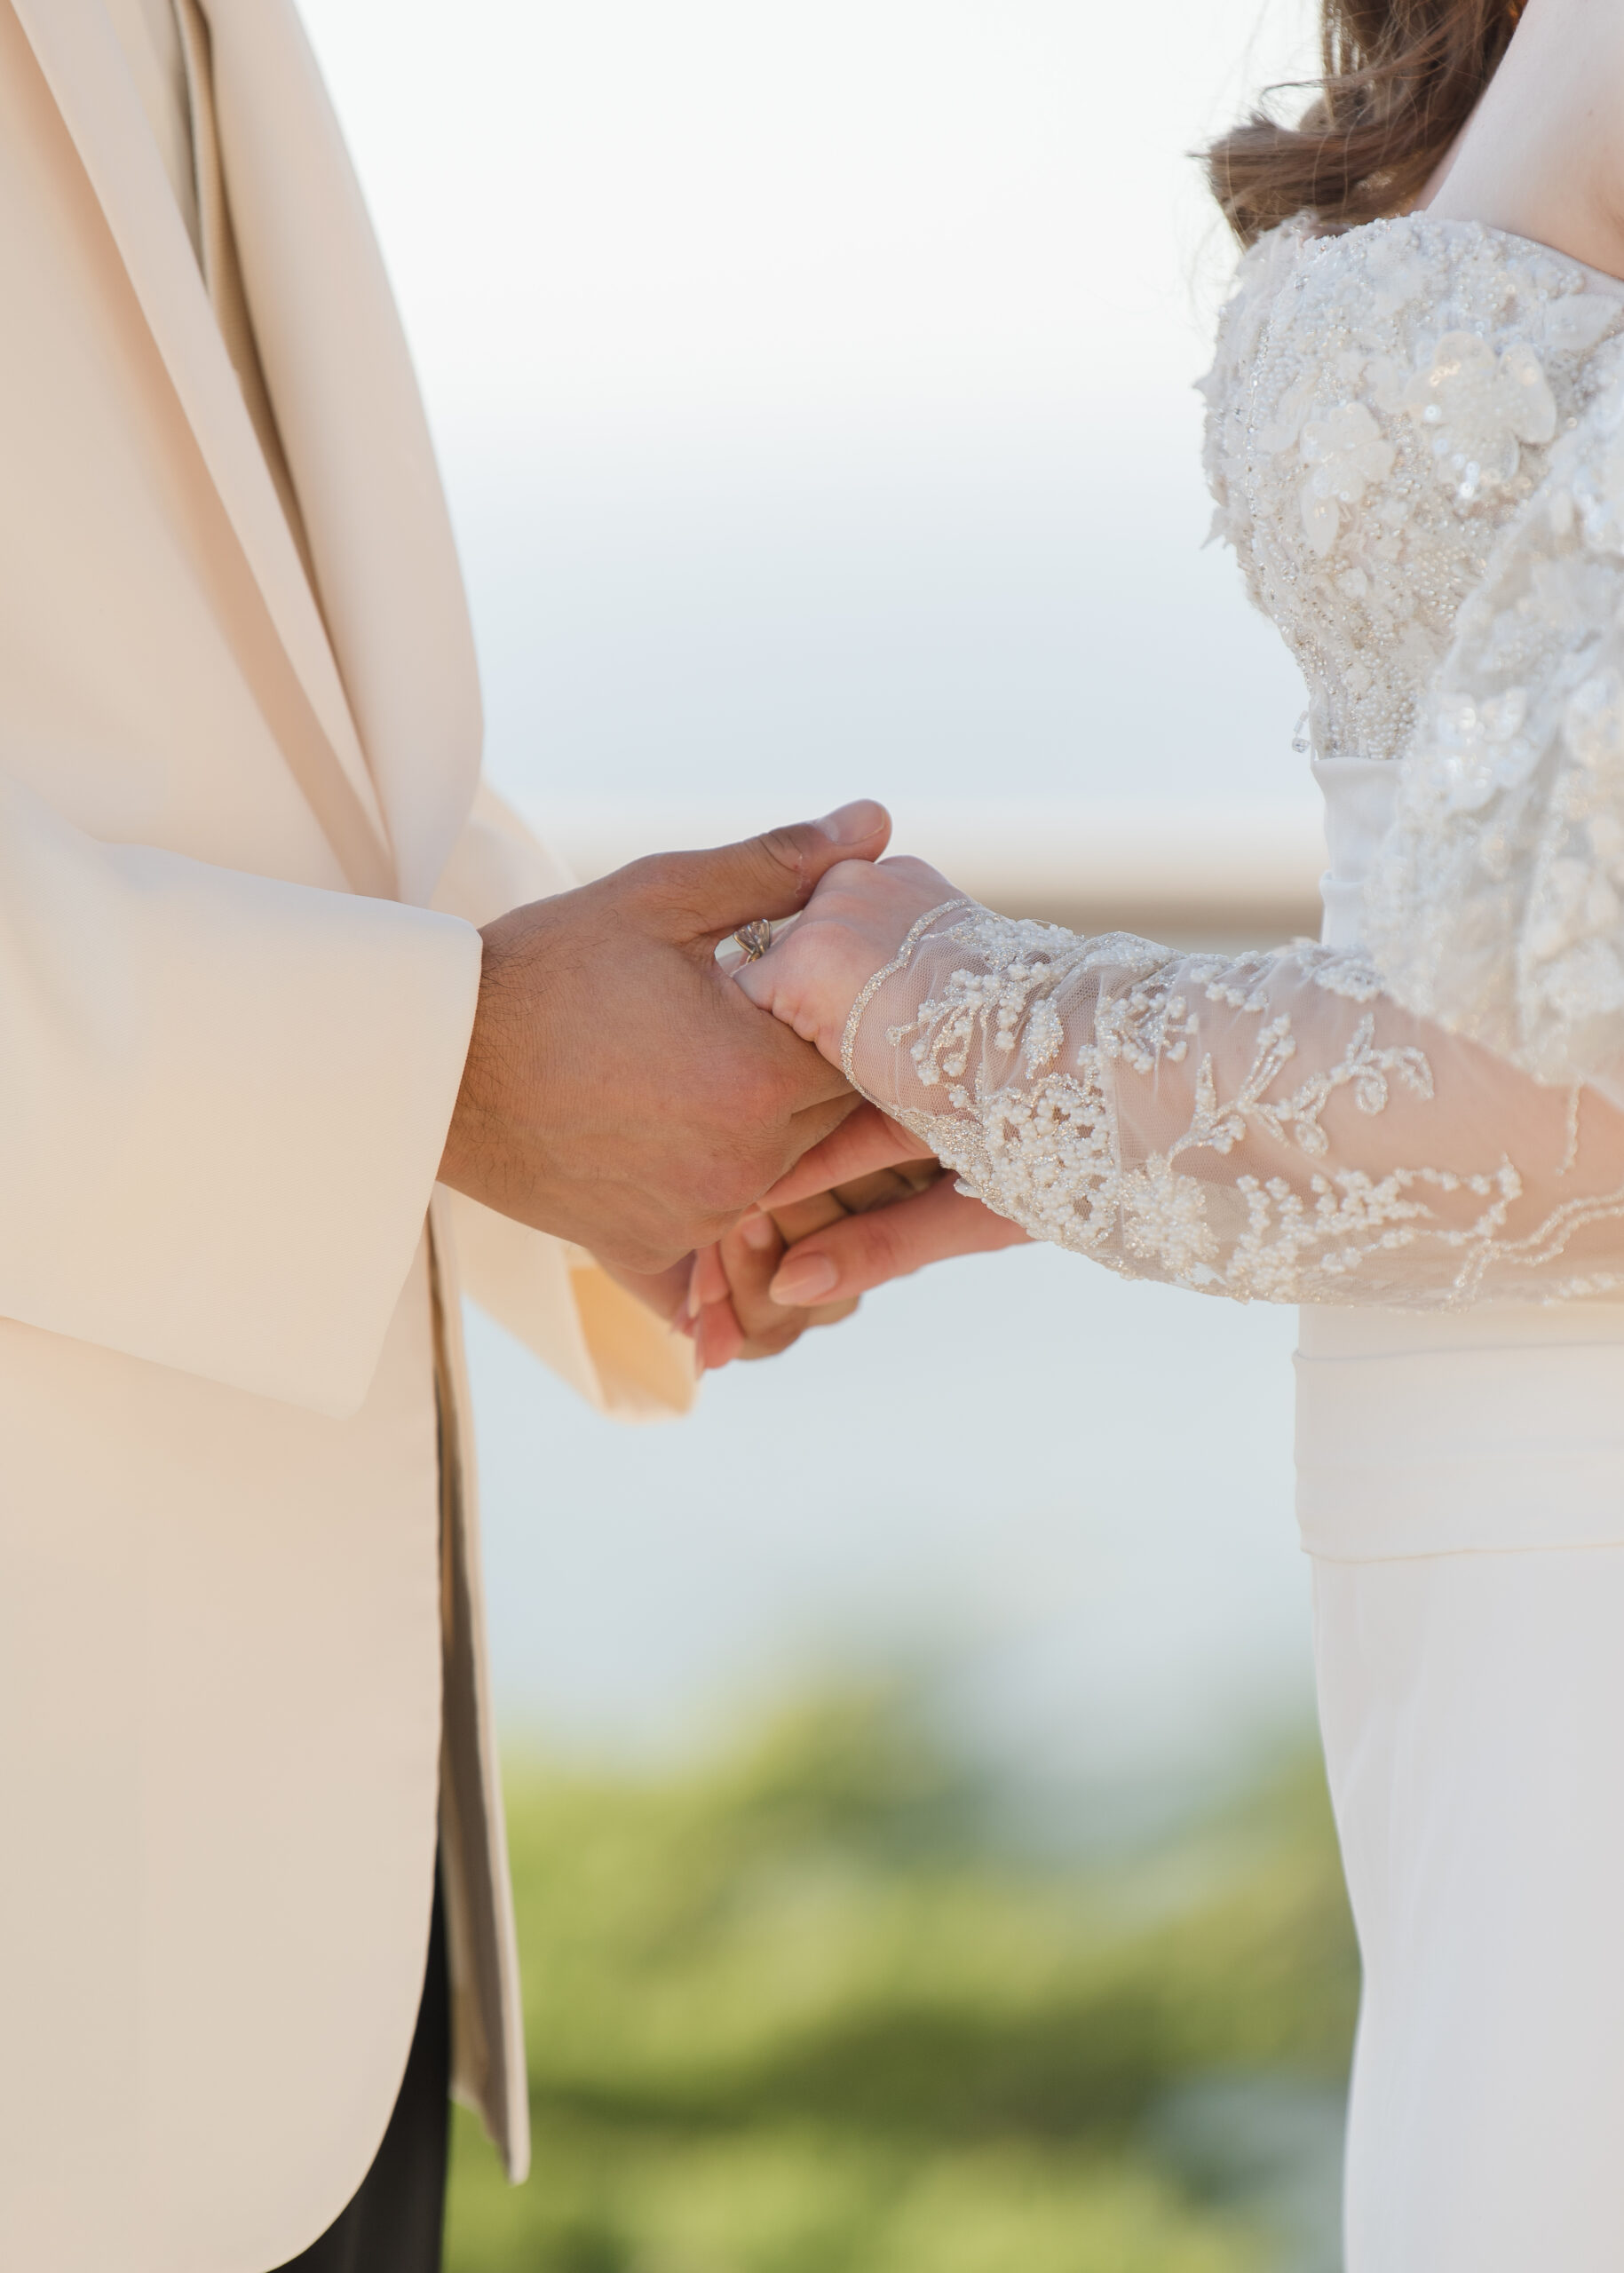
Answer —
807 1253
732 1313
853 924
867 1204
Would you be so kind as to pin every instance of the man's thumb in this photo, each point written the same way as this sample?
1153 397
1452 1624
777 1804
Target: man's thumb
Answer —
774 875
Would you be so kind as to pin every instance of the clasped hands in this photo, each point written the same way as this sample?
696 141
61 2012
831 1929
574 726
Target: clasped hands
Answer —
624 1090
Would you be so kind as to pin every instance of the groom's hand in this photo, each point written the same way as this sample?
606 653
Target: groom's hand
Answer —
620 1090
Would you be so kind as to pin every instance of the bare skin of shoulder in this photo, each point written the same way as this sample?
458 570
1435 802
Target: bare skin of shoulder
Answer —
1543 154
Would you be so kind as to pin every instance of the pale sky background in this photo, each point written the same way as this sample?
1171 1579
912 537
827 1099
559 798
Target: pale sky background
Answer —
813 385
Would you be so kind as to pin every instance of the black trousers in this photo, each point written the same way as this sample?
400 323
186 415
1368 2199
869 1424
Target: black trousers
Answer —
394 2223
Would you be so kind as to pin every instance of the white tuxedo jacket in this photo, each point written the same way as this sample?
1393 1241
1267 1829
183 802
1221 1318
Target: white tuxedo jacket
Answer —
237 974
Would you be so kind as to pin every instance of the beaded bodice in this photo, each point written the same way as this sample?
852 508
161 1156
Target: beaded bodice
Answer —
1381 404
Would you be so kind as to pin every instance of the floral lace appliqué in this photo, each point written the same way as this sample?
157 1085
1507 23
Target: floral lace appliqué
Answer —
1028 1063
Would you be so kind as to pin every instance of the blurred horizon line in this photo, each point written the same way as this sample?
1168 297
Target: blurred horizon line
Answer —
1185 872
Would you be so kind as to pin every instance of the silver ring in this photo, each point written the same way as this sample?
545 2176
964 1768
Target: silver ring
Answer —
753 938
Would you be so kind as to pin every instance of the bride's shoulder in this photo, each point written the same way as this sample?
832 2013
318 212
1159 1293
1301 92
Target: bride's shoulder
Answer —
1254 285
1541 158
1264 268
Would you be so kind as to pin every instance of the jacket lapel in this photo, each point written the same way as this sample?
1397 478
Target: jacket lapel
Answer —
351 422
75 44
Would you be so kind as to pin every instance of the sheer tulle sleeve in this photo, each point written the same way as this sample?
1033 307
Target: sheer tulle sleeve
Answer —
1267 1127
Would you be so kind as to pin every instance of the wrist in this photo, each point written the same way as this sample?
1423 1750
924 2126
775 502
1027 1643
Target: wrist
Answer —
866 1000
477 1141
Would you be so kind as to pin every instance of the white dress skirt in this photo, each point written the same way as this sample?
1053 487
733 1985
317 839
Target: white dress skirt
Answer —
1462 1498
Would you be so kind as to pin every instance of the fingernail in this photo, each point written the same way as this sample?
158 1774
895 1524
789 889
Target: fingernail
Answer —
855 823
804 1279
758 1232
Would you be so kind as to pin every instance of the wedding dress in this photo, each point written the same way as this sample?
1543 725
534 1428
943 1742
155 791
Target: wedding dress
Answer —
1415 1130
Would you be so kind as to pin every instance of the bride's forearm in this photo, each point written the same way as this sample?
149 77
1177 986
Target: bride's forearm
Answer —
1267 1126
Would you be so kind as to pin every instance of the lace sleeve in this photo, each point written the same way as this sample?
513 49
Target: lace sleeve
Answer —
1268 1126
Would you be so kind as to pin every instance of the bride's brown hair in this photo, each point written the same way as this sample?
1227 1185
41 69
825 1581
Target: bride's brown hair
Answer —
1400 79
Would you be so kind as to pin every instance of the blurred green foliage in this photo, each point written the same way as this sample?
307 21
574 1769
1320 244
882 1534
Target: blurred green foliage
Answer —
810 2011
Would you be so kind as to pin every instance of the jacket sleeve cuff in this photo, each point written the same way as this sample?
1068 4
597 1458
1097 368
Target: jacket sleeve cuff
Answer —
224 1101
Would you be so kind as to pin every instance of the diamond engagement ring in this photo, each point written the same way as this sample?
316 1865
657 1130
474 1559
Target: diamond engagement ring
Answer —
753 938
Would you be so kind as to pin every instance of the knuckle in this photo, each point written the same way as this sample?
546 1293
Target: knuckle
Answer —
910 868
662 882
647 875
722 1187
784 856
877 1243
703 1225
